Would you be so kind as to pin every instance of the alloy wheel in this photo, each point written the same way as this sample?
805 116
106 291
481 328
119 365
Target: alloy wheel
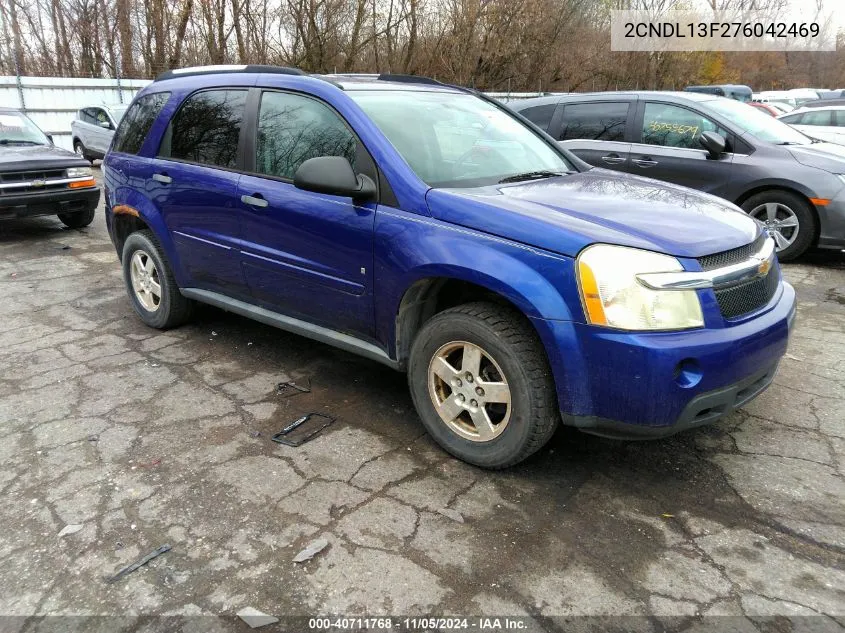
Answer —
780 223
469 391
146 283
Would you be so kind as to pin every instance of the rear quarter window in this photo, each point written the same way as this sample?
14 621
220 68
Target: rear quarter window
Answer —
596 121
137 121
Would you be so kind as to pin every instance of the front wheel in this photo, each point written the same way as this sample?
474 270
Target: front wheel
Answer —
482 386
78 219
787 218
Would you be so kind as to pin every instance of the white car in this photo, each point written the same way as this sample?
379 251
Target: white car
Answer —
826 123
93 129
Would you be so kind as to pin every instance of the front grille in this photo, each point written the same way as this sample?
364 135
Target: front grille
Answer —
734 301
15 181
26 176
731 257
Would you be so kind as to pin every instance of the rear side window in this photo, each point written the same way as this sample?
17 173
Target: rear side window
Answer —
541 115
793 118
597 121
293 128
839 118
673 126
137 121
820 117
206 128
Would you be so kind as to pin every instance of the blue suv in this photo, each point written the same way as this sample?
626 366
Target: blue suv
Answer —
431 229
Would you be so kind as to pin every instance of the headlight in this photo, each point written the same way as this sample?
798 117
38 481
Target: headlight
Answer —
79 172
612 296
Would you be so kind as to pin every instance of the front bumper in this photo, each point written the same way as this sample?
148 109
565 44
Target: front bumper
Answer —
643 385
50 202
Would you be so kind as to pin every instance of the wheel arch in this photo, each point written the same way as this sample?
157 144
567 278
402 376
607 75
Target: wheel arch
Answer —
431 295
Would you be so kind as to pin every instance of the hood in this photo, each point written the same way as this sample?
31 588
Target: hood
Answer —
567 213
29 157
827 156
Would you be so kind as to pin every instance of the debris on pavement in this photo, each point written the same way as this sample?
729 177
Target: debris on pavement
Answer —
255 618
791 357
303 429
94 438
451 514
70 529
311 550
290 388
138 564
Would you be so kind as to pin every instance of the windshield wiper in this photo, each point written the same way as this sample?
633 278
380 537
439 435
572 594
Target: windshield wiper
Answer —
532 175
7 141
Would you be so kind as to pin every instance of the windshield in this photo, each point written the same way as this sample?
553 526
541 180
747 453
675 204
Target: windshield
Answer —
758 124
459 140
18 129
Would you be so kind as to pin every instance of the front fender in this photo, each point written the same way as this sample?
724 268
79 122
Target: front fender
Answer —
409 248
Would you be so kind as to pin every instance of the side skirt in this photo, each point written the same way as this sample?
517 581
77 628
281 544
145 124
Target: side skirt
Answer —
303 328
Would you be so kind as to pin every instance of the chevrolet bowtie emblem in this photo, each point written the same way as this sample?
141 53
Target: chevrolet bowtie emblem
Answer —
764 267
38 183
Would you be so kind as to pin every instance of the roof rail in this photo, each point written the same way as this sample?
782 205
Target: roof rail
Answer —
227 68
410 79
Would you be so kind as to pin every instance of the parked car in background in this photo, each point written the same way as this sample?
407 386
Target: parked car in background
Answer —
826 123
38 178
780 98
830 94
93 129
430 229
769 108
803 95
788 181
731 91
823 103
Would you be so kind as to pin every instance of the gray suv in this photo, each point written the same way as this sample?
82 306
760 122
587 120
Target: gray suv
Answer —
790 182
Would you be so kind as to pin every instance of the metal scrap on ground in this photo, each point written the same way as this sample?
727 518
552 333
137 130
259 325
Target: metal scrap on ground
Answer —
311 550
255 618
128 570
290 388
303 429
70 529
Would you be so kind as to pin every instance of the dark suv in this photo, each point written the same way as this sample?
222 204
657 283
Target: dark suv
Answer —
428 228
793 184
38 178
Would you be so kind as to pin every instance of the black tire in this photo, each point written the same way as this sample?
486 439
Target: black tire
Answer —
79 148
173 309
507 338
78 219
807 222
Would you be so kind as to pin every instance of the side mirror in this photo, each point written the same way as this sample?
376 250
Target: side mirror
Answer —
105 124
713 143
333 175
50 138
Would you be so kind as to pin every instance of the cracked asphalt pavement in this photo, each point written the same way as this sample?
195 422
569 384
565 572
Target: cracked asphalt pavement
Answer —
147 438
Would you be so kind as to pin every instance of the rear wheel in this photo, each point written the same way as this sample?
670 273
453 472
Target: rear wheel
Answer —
787 218
78 219
482 386
150 283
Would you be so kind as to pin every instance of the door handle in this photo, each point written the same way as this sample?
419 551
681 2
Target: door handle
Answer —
613 159
644 162
255 201
163 178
